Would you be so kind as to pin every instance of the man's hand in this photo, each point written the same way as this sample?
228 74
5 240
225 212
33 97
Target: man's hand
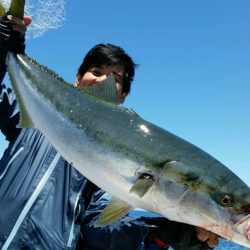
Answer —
12 33
19 25
206 236
178 235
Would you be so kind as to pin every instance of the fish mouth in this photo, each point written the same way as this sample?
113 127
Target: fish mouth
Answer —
242 225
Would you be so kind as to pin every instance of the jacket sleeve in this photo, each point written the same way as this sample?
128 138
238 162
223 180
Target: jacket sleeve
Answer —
124 234
9 113
2 64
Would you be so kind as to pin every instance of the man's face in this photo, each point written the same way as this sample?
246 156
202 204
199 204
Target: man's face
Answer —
96 75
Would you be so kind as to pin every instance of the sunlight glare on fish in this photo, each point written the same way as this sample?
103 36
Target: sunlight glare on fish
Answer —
144 128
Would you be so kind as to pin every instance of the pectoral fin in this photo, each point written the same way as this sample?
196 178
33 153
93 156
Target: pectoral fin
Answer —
115 210
142 185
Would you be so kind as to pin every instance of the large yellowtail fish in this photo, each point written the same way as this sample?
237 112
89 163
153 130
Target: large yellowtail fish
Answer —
143 165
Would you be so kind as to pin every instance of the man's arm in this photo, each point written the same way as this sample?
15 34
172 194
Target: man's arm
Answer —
130 233
12 32
9 116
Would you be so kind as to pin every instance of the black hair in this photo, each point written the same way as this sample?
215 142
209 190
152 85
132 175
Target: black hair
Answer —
109 54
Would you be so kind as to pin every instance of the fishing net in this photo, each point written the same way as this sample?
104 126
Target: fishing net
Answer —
46 15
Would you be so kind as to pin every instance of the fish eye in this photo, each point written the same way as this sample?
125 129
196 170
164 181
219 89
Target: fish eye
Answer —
146 176
226 200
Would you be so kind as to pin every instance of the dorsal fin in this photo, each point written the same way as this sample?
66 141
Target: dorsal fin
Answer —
105 91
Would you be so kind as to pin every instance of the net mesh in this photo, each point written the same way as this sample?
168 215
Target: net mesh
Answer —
46 15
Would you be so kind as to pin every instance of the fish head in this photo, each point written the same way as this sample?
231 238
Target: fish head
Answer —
216 200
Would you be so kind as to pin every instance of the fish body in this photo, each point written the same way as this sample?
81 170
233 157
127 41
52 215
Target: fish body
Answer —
136 161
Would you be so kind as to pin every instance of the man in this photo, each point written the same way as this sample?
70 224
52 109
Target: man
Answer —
44 202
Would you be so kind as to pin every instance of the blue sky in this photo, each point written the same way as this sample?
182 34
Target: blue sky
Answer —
193 77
